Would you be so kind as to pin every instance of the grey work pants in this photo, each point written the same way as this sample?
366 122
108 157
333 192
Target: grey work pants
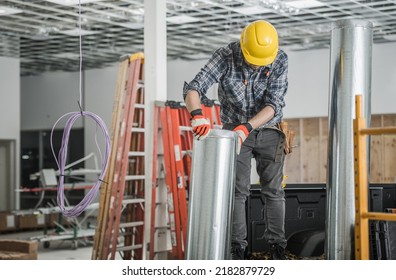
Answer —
266 146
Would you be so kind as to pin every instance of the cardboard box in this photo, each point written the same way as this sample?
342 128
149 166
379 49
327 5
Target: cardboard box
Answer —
31 221
7 221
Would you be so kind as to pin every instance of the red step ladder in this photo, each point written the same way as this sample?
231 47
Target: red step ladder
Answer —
172 127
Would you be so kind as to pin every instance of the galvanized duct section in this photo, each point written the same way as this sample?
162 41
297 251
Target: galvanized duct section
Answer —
211 197
350 74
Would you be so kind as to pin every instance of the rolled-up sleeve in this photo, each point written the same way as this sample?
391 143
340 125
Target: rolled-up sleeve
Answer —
278 83
208 75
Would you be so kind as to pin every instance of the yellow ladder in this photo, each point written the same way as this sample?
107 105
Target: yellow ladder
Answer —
362 214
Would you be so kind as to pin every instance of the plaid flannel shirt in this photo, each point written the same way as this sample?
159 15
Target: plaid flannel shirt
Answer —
243 91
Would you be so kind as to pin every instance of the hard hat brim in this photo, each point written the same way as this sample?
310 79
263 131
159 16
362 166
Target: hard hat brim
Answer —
259 61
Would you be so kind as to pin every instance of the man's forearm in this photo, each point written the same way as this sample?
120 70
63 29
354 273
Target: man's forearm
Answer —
192 100
262 117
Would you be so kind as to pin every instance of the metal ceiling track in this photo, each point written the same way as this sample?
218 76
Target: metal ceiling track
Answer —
39 33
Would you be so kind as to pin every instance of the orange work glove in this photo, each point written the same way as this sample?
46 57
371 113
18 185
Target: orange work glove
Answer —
243 131
200 125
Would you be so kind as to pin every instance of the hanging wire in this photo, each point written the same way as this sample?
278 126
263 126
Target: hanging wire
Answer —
61 159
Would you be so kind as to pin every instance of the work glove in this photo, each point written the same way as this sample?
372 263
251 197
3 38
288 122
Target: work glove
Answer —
200 125
243 131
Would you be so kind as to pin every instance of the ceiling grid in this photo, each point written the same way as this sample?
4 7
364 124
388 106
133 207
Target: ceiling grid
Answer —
44 34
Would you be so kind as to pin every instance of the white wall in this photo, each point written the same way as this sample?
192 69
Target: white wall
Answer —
10 125
180 71
99 99
99 91
10 98
309 81
308 91
383 92
45 98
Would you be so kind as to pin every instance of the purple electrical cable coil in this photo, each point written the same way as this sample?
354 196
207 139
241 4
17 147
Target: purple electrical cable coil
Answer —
62 157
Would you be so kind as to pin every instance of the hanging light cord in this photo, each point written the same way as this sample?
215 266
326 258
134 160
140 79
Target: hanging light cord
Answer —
63 151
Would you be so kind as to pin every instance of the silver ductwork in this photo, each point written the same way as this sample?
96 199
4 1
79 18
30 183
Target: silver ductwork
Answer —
211 196
350 74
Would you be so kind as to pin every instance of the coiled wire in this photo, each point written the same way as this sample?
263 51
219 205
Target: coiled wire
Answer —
62 158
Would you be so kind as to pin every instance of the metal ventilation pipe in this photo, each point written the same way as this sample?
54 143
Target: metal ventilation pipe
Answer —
211 196
350 74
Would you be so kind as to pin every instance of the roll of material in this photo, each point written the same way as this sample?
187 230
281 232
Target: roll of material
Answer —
211 196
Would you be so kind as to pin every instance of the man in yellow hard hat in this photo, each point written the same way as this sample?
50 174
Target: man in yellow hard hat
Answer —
252 79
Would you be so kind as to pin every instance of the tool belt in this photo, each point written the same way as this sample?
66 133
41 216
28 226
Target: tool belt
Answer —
282 127
289 135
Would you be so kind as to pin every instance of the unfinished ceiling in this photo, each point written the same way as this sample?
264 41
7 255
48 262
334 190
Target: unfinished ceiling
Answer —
45 34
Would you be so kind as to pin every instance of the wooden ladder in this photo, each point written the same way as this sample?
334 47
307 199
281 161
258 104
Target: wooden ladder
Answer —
121 206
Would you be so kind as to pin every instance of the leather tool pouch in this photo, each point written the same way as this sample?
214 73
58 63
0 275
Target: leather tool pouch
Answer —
289 137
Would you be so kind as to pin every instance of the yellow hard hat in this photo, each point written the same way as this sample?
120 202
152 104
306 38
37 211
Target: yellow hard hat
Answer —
259 43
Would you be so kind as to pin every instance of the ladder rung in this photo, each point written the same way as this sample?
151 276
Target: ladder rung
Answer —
136 154
188 152
185 128
163 227
127 248
138 105
162 251
131 224
132 201
123 234
137 129
134 177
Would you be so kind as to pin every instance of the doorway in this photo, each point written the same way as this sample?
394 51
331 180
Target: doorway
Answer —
7 174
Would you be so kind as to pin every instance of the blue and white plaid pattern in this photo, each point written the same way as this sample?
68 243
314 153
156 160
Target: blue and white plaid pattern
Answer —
243 91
